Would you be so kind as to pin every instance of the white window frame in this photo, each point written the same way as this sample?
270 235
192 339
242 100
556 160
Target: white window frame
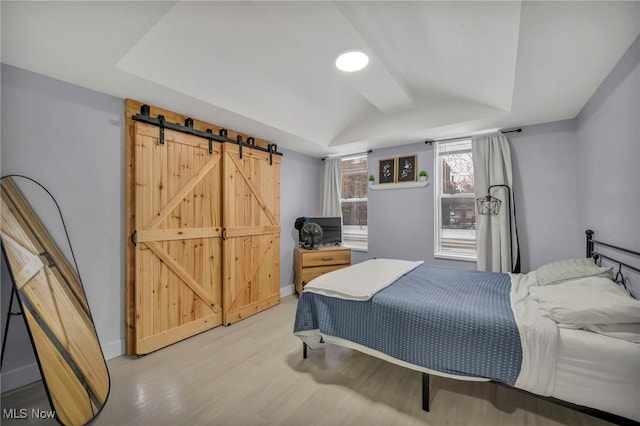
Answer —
359 231
437 225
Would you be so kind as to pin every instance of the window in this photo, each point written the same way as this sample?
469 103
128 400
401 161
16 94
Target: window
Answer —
455 215
354 202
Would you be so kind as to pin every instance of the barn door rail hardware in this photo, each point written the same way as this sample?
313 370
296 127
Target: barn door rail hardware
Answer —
160 121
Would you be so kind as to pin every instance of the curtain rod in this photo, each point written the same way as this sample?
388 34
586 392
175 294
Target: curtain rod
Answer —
349 155
430 141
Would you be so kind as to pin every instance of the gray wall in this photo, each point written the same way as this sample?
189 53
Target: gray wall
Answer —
544 164
568 176
544 175
608 155
400 221
299 196
71 140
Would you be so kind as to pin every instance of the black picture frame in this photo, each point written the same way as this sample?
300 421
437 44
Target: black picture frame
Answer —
406 169
387 170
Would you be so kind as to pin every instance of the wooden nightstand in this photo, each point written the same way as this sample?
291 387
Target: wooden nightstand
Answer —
310 264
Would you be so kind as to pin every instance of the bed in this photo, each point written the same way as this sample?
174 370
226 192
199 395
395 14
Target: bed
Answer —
566 331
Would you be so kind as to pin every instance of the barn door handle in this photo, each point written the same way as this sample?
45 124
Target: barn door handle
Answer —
224 234
134 239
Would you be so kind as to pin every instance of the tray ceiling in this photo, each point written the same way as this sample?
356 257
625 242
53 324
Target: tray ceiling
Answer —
437 69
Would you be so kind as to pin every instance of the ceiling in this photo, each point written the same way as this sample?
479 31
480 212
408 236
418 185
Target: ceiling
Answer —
437 69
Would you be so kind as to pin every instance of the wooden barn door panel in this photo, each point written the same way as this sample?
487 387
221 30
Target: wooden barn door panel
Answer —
178 228
251 214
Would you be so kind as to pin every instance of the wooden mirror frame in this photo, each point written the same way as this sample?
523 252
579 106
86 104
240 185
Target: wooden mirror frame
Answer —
56 313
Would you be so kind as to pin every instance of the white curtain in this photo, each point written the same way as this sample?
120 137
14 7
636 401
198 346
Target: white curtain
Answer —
331 187
492 166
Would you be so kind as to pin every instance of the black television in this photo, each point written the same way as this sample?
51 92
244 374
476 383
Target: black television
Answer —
331 229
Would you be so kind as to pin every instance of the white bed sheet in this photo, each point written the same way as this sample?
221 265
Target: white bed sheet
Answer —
598 371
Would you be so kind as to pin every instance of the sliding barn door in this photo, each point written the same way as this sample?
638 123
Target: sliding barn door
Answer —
178 228
251 214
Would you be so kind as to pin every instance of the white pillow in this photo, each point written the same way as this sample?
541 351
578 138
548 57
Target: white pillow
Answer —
591 300
563 270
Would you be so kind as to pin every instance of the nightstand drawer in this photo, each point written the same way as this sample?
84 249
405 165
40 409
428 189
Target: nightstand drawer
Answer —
310 264
325 257
310 273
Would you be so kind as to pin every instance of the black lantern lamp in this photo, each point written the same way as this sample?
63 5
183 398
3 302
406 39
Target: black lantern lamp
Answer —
490 205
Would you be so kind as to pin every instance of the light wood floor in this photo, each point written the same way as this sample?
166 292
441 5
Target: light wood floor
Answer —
253 373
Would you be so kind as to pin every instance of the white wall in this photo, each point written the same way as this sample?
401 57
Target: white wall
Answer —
71 140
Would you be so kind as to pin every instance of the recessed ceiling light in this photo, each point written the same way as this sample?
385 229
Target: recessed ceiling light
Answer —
353 60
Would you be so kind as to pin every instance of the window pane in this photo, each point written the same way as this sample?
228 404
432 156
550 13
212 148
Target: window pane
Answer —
458 212
354 202
457 169
354 212
458 229
456 216
354 178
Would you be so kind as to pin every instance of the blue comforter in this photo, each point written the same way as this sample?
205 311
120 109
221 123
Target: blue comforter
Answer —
448 320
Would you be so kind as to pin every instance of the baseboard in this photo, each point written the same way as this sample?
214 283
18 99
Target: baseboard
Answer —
27 374
113 349
19 377
287 290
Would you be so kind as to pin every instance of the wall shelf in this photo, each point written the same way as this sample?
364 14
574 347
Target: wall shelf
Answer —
403 185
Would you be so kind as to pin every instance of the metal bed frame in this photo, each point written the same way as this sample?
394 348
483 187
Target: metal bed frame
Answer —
591 252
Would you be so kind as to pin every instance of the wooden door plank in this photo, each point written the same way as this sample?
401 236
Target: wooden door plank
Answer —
159 194
251 230
256 263
144 260
167 337
178 198
254 191
177 234
174 220
186 297
251 270
179 271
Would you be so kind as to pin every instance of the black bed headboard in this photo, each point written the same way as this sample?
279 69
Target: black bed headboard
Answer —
592 252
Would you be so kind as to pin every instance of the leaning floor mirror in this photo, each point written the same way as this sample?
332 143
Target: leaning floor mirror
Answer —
55 310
